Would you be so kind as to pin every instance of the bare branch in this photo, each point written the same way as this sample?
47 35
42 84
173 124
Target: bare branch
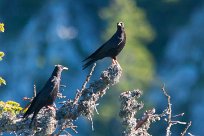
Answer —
190 134
185 130
145 118
178 122
133 125
79 93
88 77
178 115
168 112
34 91
84 104
47 121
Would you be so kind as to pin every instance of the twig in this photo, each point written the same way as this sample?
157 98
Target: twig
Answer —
178 122
79 93
162 114
48 122
178 115
63 86
168 112
96 108
30 99
34 91
185 130
26 99
59 132
190 134
68 134
73 128
60 95
88 77
63 129
142 121
92 125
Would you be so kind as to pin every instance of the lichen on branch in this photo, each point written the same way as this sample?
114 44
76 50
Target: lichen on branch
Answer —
135 126
47 120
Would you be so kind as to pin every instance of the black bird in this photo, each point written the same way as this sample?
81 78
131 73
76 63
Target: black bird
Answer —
111 48
48 94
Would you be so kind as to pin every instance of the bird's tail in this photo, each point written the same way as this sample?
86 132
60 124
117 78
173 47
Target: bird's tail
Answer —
86 59
26 114
88 63
29 110
34 115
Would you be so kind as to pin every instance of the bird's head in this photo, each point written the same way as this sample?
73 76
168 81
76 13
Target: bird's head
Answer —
60 67
58 70
120 25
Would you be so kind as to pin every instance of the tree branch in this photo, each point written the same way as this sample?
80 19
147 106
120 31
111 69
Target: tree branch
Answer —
79 93
185 130
139 126
47 121
168 112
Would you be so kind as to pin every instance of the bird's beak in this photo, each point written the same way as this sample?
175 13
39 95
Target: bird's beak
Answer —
65 68
120 24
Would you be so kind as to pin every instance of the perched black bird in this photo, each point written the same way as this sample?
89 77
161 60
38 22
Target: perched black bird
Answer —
109 49
48 94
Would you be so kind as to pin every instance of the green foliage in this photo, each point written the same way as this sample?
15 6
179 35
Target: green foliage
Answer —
2 81
1 55
2 27
135 58
10 107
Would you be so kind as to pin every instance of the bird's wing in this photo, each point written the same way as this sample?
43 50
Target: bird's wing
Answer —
33 106
50 90
41 99
55 87
50 85
95 53
106 47
111 44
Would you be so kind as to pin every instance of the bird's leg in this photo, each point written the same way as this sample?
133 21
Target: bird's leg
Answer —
114 61
51 107
33 118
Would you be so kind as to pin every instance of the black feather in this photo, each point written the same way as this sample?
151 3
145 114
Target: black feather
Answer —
88 63
111 48
47 95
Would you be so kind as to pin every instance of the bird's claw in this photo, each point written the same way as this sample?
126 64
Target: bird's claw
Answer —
114 62
51 107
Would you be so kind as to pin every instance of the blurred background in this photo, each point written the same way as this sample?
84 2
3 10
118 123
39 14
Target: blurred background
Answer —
164 45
